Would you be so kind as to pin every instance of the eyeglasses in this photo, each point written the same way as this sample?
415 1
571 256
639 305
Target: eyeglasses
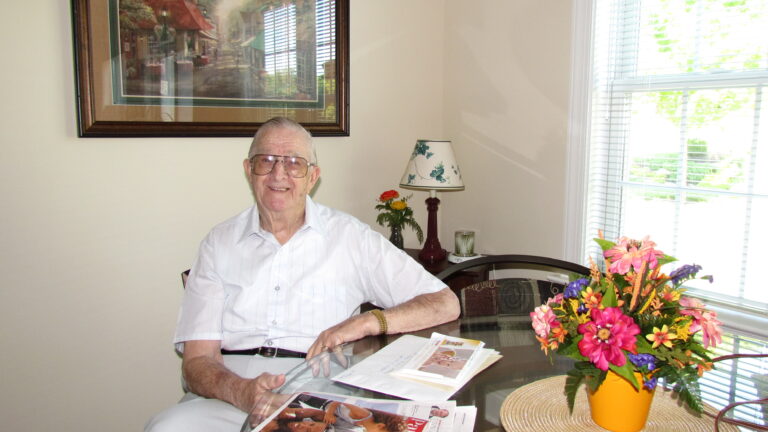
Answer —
295 166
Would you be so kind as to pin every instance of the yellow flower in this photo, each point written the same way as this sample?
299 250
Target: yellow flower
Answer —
684 331
661 337
591 299
398 205
670 294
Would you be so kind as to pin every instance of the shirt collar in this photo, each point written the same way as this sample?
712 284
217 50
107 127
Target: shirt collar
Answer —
312 220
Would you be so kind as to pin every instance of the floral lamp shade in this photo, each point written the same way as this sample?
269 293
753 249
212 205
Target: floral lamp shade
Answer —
432 166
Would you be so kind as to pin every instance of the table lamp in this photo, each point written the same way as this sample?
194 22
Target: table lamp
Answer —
432 167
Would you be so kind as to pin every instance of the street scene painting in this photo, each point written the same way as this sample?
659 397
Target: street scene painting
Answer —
220 67
223 52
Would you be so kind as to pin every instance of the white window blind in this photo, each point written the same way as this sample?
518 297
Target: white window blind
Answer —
280 39
678 145
293 68
326 33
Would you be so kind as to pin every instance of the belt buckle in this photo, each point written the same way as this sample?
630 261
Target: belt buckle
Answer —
268 352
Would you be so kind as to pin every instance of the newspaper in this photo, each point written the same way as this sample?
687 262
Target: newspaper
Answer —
375 372
328 411
443 360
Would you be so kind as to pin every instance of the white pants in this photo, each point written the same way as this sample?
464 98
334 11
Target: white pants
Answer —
197 414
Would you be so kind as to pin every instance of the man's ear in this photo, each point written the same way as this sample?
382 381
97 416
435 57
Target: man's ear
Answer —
247 167
314 176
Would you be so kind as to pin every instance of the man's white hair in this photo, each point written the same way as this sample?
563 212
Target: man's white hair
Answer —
282 123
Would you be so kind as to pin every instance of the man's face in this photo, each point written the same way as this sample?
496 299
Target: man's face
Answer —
277 193
439 412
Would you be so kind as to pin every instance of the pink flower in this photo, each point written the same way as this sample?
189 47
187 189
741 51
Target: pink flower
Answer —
558 298
647 252
628 253
606 335
703 319
543 319
711 334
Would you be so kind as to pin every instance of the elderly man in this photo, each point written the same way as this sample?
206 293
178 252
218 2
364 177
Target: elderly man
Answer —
282 281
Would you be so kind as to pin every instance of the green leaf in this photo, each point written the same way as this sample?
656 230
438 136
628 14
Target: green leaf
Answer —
594 381
643 346
570 348
627 372
685 383
414 226
666 259
572 383
609 297
605 244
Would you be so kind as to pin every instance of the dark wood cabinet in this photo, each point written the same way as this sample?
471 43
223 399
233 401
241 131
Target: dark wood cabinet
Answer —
457 281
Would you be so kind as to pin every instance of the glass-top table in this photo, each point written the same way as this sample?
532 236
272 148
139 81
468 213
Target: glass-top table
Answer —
523 363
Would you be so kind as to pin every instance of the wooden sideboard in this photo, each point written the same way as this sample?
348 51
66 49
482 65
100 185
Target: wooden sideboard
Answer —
455 282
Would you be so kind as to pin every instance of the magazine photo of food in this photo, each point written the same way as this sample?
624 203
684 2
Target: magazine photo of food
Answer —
324 411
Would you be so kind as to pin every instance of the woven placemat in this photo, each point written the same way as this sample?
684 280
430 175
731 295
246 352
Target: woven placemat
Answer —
541 406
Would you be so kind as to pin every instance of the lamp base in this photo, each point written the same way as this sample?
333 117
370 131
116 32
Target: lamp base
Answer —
432 255
432 251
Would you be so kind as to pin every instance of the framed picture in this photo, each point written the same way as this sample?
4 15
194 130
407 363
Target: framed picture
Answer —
210 67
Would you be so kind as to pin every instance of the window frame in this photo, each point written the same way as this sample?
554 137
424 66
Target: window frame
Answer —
742 320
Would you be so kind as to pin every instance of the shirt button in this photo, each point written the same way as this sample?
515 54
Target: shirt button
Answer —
274 322
269 342
277 287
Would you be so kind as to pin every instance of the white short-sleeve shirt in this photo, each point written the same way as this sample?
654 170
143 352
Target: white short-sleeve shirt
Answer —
247 290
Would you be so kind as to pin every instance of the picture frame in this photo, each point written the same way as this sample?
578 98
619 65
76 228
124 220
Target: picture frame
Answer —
210 68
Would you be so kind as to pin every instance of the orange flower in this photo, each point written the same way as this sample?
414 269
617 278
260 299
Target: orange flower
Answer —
669 294
706 366
388 195
559 333
591 299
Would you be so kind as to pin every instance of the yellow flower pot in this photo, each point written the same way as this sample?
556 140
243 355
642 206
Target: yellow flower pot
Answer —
617 406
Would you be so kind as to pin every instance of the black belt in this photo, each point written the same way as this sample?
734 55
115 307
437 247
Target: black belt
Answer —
266 352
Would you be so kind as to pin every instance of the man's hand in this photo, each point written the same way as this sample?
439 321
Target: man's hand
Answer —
420 312
206 375
351 329
258 390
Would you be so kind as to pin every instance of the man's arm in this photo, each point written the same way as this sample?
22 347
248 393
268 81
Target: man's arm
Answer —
422 311
205 374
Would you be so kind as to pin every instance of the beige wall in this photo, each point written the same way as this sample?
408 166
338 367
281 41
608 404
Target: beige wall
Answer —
95 231
506 110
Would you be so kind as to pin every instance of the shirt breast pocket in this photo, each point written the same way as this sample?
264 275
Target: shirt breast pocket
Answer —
322 302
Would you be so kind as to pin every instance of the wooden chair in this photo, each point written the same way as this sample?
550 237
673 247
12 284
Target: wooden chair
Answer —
184 277
497 294
512 285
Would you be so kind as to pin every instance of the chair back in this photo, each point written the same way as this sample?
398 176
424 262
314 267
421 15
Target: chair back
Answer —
510 285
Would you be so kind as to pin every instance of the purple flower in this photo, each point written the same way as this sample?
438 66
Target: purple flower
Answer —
641 360
650 384
682 273
582 309
574 288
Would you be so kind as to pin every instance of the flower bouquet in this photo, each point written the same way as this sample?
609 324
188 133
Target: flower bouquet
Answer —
632 320
395 213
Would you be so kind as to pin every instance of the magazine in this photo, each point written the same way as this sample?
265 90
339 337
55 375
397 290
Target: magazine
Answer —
376 371
327 411
443 360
